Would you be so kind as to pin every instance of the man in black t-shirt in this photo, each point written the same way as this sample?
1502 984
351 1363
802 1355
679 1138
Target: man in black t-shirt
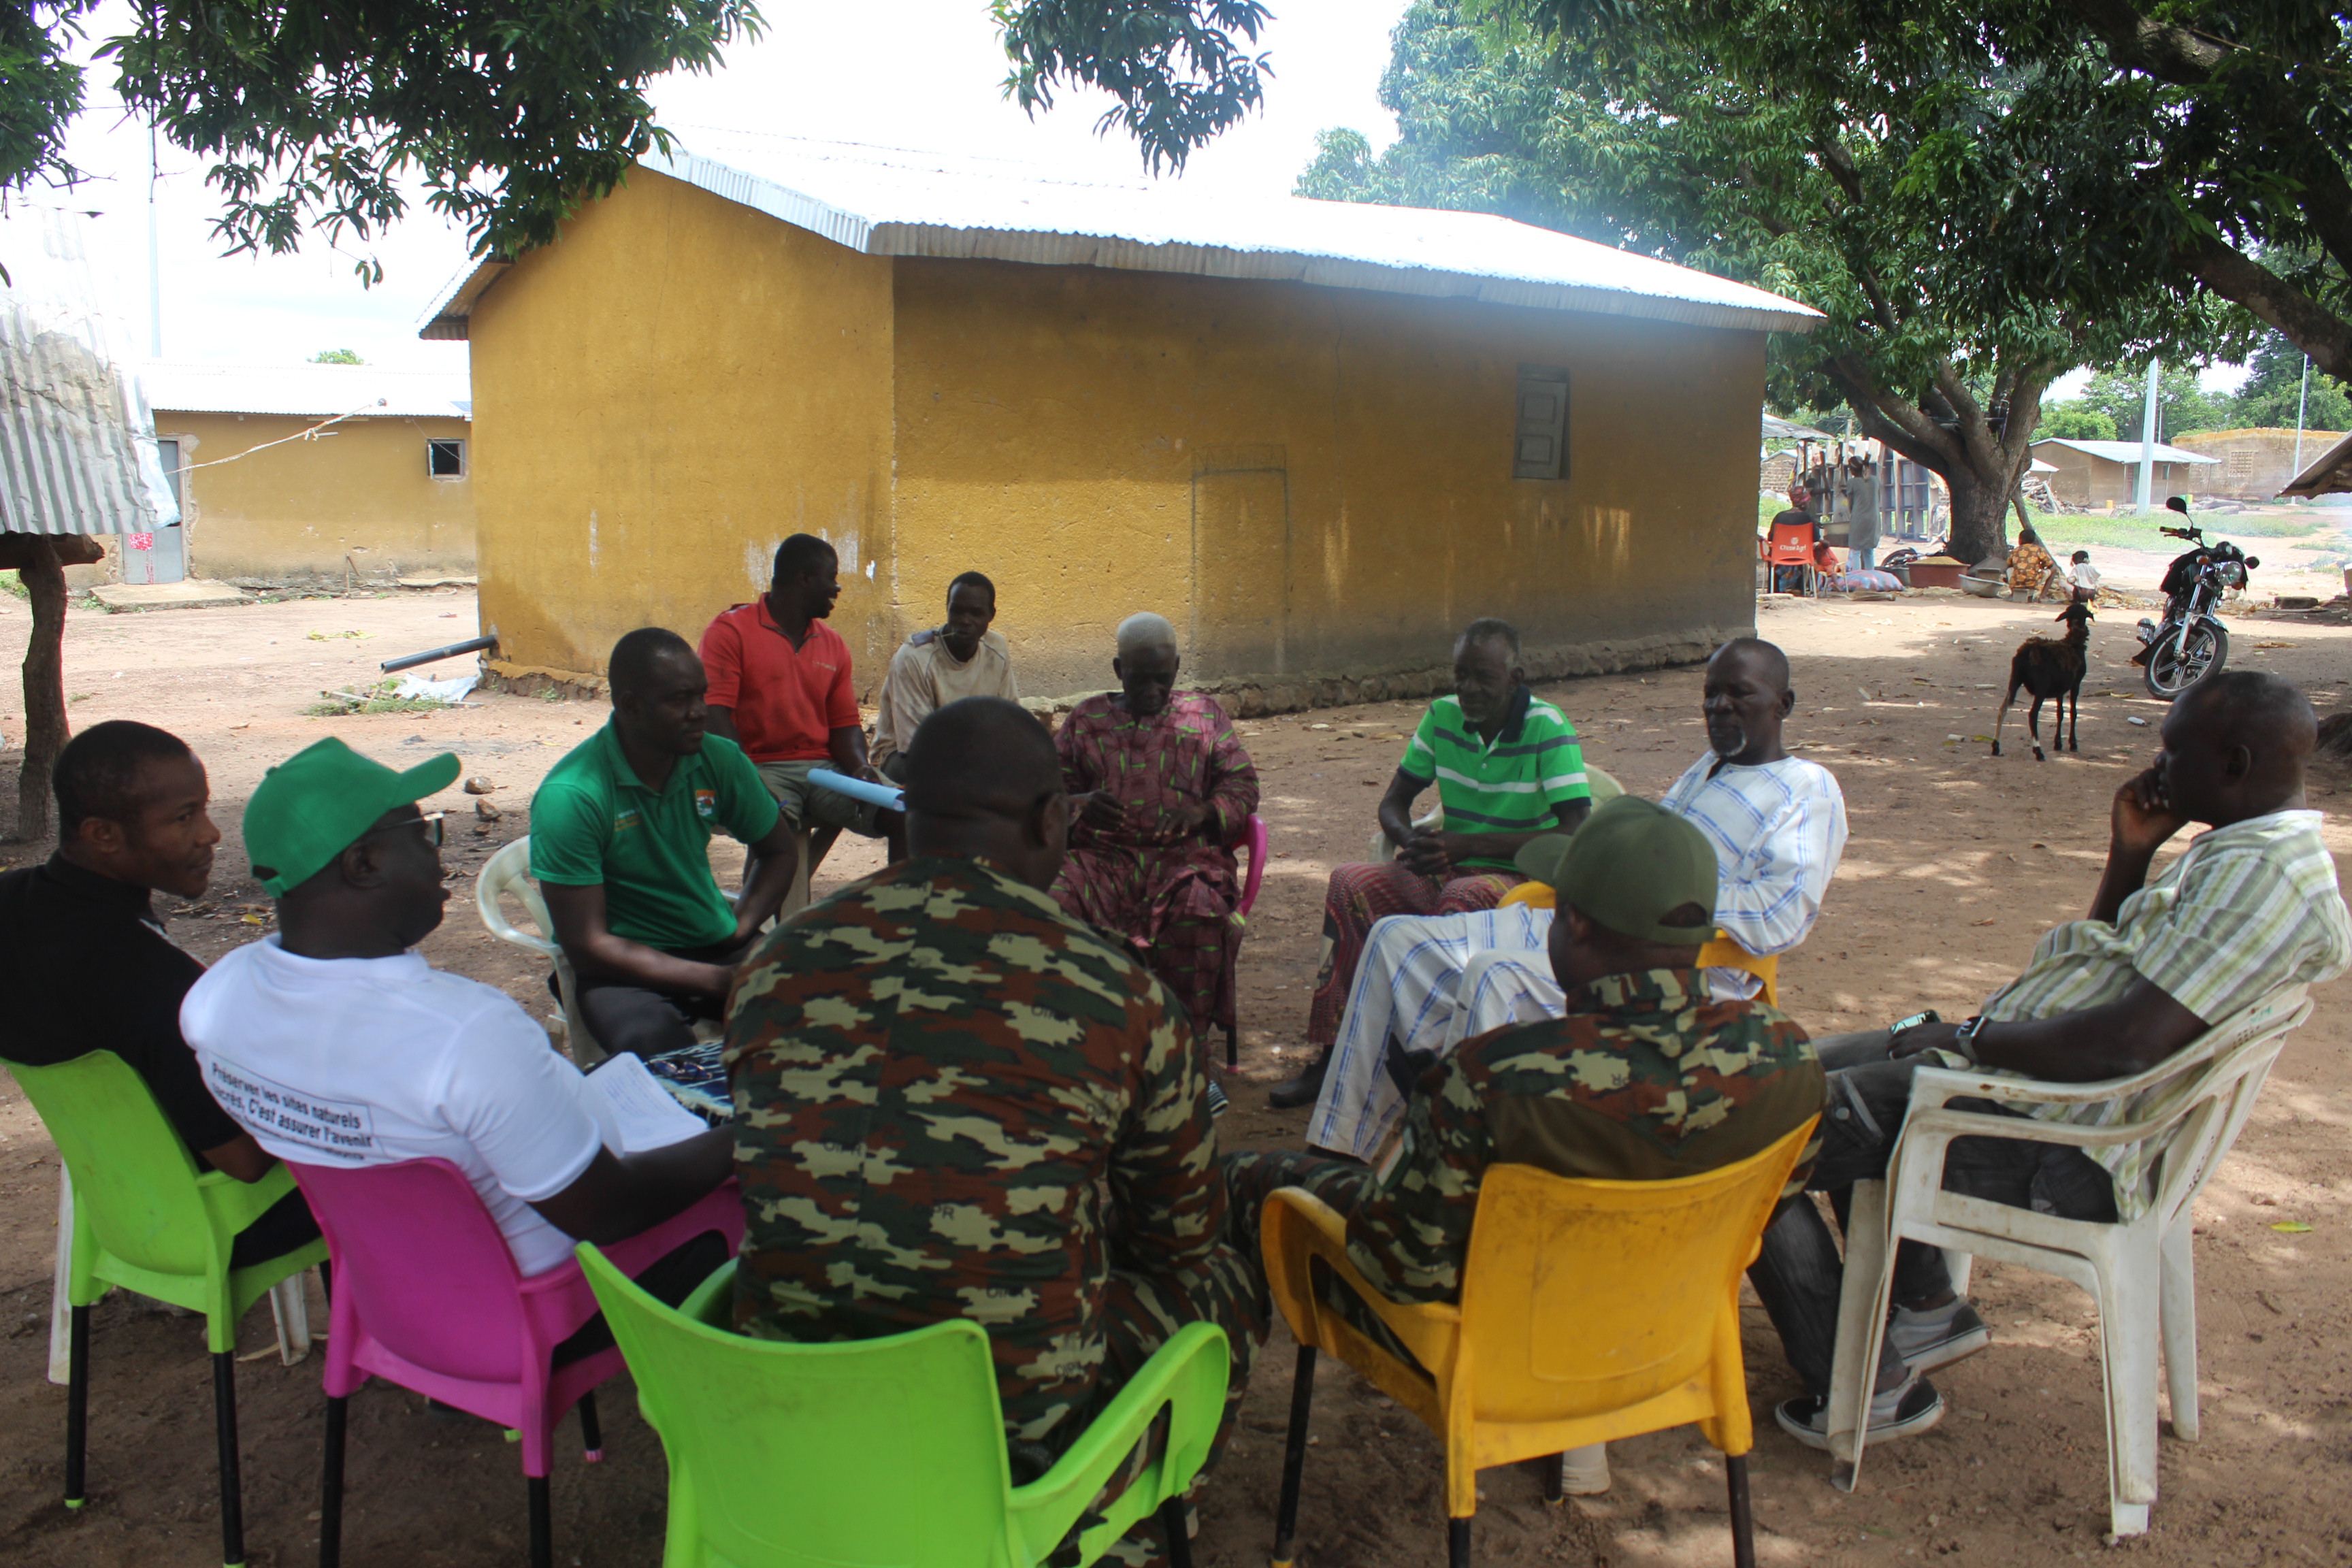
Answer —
85 963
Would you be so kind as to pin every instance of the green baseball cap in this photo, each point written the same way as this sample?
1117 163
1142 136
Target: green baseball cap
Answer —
1631 864
324 798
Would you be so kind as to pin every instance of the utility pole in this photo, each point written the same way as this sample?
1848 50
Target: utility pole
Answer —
2301 401
155 257
2148 442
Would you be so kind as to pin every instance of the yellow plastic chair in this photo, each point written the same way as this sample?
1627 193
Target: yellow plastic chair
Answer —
1724 953
1720 952
1591 1310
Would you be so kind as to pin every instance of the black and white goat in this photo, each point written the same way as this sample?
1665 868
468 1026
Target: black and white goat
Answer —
2048 668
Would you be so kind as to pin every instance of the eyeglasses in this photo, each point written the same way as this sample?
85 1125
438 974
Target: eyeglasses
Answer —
430 821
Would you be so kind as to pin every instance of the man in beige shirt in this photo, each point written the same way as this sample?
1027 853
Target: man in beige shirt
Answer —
940 665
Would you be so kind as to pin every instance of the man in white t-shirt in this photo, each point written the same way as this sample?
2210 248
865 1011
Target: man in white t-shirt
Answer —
334 1043
957 658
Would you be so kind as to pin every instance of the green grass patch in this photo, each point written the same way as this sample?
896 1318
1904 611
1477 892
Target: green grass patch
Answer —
2097 530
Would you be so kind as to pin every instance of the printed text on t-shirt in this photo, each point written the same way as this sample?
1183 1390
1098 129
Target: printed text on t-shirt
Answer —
342 1129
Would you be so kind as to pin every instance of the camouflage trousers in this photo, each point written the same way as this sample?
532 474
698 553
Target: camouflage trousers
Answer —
1251 1180
1140 1314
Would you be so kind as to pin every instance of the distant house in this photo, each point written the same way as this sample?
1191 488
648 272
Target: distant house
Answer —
2093 473
2255 463
1319 436
385 492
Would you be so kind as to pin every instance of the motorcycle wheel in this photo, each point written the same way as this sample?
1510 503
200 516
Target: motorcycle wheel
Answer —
2171 671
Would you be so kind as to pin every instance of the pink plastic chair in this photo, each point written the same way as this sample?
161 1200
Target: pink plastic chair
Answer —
1256 840
427 1296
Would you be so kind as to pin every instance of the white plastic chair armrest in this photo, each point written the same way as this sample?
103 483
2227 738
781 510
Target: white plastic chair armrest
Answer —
1923 1128
2282 1010
1932 1086
505 930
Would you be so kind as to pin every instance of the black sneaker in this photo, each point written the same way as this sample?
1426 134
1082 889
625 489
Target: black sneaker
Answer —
1929 1339
1217 1100
1293 1092
1913 1407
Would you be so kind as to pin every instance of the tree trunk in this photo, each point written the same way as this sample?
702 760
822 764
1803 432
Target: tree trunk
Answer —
44 577
1978 523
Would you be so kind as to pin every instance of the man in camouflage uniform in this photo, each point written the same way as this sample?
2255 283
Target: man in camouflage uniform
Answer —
953 1099
1642 1078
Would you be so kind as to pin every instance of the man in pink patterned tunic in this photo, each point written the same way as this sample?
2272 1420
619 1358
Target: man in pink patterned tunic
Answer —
1163 791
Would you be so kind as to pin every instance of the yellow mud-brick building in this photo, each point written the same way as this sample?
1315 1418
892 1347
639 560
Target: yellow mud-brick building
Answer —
383 491
2107 473
1318 437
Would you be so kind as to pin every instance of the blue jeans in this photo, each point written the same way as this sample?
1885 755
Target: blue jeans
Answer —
1865 558
1799 1276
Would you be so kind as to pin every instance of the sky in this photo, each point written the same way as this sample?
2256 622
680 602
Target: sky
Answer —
920 74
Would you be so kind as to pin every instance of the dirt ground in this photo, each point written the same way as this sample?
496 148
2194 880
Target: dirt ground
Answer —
1958 861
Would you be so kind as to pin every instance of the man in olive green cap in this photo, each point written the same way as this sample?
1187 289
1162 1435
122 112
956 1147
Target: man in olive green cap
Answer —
1642 1077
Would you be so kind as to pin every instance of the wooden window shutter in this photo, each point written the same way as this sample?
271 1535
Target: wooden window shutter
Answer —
1540 444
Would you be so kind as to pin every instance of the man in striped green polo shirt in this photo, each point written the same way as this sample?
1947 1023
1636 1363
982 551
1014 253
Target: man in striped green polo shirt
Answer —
1507 767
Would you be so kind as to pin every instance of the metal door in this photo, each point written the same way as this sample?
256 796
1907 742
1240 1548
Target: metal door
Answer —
1241 563
161 556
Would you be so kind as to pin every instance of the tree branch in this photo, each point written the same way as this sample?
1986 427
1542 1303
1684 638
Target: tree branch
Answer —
2308 324
2169 53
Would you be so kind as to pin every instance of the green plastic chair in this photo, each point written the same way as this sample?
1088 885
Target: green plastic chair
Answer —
886 1453
144 1219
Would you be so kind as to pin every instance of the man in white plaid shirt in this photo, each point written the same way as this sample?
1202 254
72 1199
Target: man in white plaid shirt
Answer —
1429 983
2251 906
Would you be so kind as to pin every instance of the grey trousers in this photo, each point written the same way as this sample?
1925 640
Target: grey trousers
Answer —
1799 1274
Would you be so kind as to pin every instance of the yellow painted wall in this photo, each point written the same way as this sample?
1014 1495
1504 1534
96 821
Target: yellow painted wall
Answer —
659 398
1312 480
1308 480
358 498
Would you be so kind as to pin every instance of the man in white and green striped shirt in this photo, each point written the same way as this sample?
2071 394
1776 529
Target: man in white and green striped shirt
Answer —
2252 907
1507 767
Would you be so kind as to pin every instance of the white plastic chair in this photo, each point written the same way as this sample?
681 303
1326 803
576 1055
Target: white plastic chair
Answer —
2140 1271
508 873
287 1305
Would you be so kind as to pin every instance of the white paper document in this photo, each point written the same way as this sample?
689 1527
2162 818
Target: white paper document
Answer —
634 1111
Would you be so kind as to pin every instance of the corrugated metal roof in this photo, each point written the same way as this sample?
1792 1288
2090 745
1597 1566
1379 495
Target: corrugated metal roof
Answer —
891 202
2126 451
308 390
1782 429
77 448
2331 474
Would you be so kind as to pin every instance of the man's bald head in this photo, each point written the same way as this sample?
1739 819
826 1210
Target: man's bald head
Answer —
1768 662
984 781
2236 746
2255 708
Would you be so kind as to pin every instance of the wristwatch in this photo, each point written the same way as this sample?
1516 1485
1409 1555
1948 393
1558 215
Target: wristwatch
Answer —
1965 1042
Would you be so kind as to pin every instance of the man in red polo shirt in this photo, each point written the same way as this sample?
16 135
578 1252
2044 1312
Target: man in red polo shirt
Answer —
780 688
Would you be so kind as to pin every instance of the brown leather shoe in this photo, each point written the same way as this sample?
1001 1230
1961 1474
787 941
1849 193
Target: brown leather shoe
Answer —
1293 1092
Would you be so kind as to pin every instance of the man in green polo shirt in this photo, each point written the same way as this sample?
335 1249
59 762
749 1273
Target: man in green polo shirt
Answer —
1507 769
620 836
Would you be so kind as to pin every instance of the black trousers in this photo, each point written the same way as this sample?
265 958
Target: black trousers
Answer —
639 1019
669 1280
1799 1275
278 1230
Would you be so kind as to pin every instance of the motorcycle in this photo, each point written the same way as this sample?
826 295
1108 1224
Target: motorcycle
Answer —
2190 643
